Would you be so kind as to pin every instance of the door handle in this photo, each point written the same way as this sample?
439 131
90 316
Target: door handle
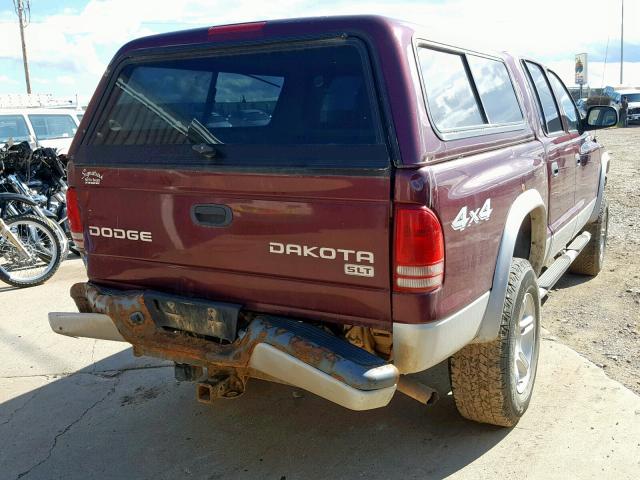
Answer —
555 170
211 215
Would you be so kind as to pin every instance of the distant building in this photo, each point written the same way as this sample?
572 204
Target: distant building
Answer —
35 100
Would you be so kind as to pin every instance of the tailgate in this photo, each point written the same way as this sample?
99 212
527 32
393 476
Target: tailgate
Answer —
260 178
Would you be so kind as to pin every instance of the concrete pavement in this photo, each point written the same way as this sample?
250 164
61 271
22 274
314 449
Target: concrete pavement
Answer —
84 409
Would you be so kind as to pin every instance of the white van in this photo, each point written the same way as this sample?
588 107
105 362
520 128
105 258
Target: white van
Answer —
41 127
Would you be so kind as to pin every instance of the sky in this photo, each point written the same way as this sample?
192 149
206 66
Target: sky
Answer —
70 42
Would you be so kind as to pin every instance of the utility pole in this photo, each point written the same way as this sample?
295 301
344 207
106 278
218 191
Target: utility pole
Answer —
622 43
23 11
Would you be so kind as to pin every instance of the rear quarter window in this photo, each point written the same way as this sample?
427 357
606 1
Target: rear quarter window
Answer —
262 107
449 92
468 95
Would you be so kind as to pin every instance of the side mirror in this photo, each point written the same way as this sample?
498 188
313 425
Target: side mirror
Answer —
600 116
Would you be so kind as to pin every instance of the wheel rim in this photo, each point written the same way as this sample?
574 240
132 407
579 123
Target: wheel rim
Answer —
525 345
604 227
39 242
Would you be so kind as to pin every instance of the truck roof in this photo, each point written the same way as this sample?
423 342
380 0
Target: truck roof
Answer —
371 25
260 29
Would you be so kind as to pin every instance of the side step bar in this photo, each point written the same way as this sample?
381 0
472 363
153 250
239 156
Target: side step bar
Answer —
551 276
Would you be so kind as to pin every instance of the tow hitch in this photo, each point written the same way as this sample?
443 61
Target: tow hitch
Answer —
220 386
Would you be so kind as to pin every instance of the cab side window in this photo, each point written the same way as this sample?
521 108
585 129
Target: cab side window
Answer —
569 111
549 110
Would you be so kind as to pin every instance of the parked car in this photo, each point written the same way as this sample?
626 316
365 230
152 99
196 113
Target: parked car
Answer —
249 118
41 127
399 210
218 121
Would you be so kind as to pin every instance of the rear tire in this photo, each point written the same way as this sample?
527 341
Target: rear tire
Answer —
493 382
591 259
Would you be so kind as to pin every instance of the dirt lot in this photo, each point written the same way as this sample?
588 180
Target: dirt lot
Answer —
600 317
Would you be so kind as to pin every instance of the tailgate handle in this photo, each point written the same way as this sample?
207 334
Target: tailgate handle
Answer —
211 215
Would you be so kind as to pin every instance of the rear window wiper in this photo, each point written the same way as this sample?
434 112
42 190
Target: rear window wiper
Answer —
195 132
202 139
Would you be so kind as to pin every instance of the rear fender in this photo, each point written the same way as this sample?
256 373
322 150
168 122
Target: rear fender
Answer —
528 203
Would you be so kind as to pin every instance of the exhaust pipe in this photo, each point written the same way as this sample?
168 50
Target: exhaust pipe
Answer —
418 391
90 325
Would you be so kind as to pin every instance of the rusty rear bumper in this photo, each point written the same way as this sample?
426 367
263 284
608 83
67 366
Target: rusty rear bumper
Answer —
285 349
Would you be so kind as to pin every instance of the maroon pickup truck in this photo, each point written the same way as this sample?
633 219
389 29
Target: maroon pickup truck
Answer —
332 203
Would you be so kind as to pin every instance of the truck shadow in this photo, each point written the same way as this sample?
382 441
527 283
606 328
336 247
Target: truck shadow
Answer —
106 422
569 280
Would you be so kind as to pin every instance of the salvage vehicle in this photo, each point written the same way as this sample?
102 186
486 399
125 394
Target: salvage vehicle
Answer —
405 203
615 93
41 127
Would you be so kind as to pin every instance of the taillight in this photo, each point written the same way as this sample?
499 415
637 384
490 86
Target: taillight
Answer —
73 216
419 250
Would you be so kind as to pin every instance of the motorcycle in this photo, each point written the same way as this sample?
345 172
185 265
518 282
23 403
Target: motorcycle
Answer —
41 176
30 252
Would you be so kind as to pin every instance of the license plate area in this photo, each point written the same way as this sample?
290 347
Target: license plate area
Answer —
200 317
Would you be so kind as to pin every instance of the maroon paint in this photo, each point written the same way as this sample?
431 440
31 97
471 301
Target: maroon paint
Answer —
234 262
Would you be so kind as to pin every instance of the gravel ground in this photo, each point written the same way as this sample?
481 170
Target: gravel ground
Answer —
600 317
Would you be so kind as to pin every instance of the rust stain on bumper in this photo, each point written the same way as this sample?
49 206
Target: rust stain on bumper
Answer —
133 320
128 311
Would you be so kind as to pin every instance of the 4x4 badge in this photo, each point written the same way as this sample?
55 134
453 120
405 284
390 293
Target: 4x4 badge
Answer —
467 217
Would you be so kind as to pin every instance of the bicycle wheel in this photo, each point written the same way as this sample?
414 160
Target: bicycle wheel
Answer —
43 247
